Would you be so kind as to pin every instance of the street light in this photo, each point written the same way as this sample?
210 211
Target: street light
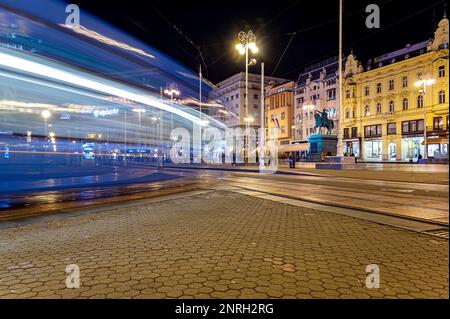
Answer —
157 120
247 42
46 114
172 90
139 111
422 85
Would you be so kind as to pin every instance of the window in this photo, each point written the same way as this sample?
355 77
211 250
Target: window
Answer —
346 133
391 129
438 123
255 96
347 113
379 88
347 94
405 127
391 85
412 127
391 107
405 104
283 116
331 94
379 129
366 91
420 101
379 108
442 97
405 81
300 102
420 125
367 110
354 132
255 106
232 97
237 95
373 130
441 71
283 129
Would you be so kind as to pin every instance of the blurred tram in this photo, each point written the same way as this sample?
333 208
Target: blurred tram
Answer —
74 99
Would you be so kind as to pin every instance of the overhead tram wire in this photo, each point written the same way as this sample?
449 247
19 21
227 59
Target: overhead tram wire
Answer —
291 34
282 55
330 53
189 40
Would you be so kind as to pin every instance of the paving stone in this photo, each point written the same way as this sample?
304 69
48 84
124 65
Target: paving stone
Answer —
219 245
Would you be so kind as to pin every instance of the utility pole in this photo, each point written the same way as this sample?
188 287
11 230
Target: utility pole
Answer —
339 144
262 137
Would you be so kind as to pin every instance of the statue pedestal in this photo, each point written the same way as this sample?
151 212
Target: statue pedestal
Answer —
321 146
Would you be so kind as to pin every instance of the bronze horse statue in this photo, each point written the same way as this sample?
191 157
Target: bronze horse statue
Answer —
322 120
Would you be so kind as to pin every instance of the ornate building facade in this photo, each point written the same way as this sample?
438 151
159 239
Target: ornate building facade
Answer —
279 106
316 88
384 111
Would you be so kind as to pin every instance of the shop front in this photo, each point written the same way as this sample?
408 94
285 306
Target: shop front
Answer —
352 147
392 151
437 147
412 147
373 149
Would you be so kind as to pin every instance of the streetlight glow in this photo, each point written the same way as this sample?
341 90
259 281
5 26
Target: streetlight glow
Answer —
46 114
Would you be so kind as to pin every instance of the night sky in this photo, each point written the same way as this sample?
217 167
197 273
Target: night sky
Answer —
214 25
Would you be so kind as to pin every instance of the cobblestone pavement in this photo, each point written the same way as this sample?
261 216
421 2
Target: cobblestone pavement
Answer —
219 245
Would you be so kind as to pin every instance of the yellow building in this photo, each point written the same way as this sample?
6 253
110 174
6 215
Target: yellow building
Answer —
384 110
279 108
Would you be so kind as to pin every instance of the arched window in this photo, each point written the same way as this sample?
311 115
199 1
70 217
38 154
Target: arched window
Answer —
420 101
367 110
379 108
391 107
442 97
405 104
347 113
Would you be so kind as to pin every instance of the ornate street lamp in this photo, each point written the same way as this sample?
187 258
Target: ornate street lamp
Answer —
247 42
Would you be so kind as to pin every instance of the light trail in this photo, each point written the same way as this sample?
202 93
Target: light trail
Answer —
21 64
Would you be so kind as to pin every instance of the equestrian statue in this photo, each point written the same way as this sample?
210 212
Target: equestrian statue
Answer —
322 120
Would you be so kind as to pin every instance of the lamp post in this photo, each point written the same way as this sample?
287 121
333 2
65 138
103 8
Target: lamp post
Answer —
157 121
172 90
422 85
339 149
139 111
247 42
46 114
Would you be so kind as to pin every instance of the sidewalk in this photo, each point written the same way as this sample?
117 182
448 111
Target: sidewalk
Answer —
219 245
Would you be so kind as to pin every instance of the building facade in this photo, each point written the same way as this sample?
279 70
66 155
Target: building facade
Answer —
230 95
279 110
384 112
316 89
